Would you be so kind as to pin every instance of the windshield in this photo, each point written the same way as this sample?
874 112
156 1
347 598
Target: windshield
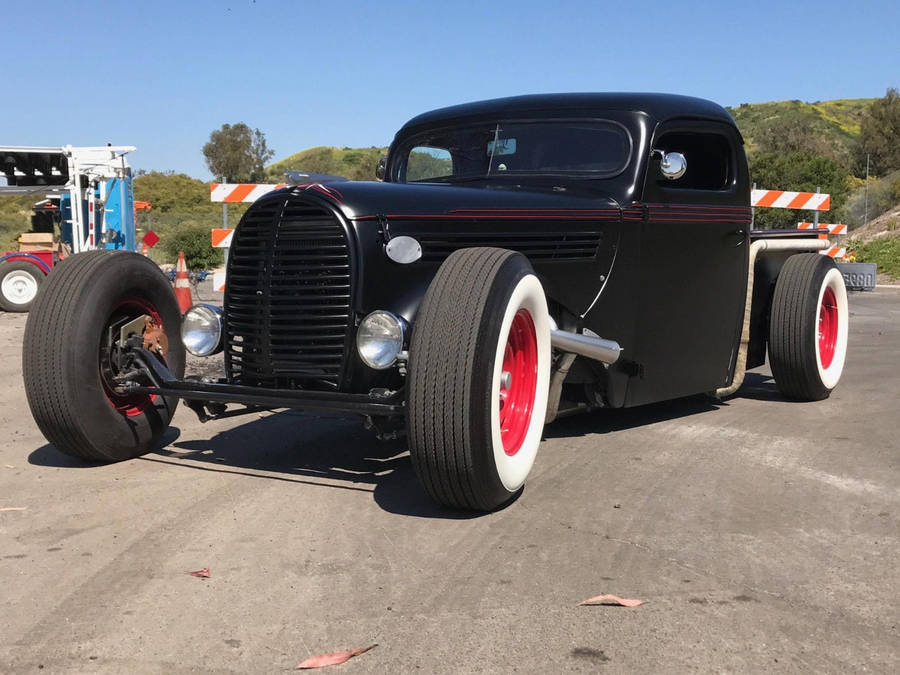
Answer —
591 149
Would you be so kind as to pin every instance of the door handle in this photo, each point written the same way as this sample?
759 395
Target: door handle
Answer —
740 235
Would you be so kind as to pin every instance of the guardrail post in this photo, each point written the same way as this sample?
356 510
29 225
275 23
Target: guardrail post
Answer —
816 214
752 212
225 224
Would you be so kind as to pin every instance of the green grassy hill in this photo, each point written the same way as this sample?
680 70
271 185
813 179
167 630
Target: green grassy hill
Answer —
352 163
832 125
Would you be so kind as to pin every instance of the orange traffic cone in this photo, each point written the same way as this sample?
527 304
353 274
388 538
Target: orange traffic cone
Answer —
182 284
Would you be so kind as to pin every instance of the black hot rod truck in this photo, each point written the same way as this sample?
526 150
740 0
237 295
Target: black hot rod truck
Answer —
522 258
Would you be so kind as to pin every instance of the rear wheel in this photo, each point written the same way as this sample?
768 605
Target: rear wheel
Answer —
478 379
19 284
71 354
808 327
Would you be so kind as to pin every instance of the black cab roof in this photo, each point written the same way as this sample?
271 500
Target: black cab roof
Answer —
661 107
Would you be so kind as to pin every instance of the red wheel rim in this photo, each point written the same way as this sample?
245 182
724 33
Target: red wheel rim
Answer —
828 327
518 382
134 404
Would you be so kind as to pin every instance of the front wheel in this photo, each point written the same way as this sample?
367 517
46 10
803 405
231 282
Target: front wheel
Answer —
479 375
71 352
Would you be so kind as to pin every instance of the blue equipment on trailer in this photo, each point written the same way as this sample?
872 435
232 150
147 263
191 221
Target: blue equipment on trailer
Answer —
90 196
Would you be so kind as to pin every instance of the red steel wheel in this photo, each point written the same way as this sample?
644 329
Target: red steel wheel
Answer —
828 327
518 382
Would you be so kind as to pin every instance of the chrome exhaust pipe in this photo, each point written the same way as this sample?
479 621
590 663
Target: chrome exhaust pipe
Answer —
606 351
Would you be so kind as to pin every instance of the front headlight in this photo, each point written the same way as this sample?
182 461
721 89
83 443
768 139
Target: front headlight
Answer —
379 339
201 330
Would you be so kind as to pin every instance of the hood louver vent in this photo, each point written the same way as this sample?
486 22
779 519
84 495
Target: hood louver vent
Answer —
541 246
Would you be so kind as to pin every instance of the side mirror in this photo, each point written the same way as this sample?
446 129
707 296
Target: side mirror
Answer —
381 168
672 165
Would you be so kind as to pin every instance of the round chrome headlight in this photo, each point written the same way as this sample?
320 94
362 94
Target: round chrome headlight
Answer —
201 330
379 339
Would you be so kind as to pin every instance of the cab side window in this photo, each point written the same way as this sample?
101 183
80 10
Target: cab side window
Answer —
709 161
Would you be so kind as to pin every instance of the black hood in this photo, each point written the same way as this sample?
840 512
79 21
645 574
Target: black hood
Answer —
366 199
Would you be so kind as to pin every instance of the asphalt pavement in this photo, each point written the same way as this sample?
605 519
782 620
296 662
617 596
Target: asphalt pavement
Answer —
761 534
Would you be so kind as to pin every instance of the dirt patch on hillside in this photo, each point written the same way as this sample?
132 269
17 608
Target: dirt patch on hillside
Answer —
885 225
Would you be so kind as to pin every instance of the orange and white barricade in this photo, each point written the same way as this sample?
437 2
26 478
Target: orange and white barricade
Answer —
219 282
221 237
836 252
803 201
834 229
783 199
231 193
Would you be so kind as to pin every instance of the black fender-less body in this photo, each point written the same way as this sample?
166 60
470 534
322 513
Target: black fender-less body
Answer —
659 266
521 258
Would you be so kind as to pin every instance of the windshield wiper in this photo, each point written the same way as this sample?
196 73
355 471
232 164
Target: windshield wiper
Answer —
493 147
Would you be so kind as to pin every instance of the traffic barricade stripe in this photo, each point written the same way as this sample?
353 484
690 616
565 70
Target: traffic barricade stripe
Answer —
221 238
784 199
833 228
241 192
836 252
219 282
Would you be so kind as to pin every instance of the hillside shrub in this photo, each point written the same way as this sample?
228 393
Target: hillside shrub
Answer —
884 252
195 241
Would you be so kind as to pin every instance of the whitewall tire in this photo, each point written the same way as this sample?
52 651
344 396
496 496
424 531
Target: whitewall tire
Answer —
808 327
479 375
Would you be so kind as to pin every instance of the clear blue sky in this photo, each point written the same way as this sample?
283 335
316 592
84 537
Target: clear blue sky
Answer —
162 75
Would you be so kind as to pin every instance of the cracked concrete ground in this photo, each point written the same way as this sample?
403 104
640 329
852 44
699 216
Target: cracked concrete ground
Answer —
762 535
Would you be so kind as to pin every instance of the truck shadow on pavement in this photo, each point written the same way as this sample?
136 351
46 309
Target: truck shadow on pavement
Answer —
760 387
316 450
319 450
48 455
333 451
